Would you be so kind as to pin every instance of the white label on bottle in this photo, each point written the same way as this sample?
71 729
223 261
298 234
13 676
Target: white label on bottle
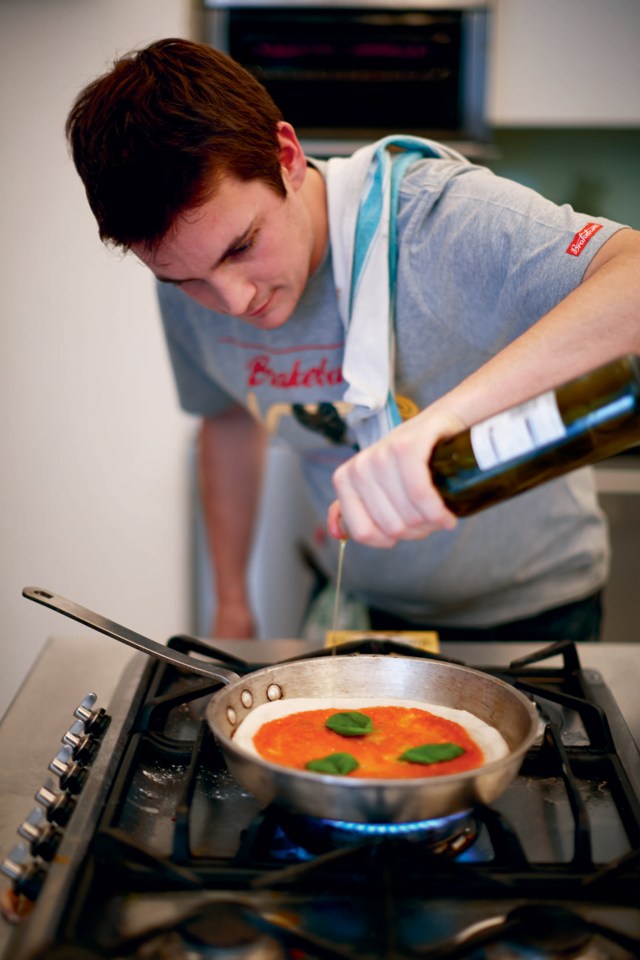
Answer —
517 431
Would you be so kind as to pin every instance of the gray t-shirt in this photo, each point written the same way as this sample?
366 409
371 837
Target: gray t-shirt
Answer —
480 260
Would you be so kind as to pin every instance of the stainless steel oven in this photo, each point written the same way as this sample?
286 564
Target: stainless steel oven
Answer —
345 73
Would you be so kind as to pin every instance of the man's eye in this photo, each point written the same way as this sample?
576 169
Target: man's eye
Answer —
243 247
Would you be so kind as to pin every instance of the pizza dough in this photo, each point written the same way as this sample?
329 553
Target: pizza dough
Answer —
490 741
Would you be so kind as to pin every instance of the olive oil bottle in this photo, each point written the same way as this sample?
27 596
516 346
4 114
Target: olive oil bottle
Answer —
585 420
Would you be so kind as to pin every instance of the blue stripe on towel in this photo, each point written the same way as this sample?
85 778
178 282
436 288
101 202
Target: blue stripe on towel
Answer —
391 166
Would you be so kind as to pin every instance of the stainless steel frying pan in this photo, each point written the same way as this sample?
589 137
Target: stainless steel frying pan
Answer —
357 676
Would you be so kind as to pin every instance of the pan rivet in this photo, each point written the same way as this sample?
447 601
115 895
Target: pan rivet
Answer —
247 698
231 715
274 692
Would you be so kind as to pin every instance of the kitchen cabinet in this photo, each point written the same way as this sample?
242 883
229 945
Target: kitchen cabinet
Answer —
564 63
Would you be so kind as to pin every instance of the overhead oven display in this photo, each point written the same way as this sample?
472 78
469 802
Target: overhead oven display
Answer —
362 71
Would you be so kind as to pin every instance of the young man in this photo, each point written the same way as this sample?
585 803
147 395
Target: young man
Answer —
473 294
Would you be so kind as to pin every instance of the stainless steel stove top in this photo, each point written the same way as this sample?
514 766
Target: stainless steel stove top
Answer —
164 855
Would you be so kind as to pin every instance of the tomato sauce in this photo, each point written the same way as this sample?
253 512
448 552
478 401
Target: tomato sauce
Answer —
294 740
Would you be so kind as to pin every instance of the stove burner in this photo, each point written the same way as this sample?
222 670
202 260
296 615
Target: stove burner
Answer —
210 932
415 829
532 932
444 836
220 929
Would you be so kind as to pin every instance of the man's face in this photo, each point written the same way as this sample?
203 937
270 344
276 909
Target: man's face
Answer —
246 252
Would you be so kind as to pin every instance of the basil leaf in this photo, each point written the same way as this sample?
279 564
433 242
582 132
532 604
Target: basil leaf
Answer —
432 753
350 724
341 763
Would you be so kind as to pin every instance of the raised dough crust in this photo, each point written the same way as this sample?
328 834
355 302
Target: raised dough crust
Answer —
490 741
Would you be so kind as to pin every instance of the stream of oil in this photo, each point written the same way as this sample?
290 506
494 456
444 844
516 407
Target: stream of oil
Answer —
336 600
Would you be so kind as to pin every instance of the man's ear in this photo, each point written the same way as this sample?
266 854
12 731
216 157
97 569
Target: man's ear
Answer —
291 154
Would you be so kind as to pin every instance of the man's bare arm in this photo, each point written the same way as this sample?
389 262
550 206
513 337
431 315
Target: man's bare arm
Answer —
232 449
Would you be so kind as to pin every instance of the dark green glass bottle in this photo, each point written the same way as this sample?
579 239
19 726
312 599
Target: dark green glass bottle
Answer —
579 423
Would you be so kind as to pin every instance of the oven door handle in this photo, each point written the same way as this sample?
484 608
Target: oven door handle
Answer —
129 637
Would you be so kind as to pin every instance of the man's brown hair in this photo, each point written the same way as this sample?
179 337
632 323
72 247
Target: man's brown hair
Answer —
152 138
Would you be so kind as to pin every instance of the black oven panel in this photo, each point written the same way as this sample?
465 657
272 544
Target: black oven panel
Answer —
362 71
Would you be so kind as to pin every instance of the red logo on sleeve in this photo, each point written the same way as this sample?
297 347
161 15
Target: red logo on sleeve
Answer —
582 238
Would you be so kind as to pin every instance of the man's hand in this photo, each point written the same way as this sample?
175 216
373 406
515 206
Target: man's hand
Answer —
385 493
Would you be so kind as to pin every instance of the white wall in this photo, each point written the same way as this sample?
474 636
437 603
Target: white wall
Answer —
564 63
93 446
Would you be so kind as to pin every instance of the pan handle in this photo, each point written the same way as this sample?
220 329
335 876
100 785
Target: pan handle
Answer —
127 636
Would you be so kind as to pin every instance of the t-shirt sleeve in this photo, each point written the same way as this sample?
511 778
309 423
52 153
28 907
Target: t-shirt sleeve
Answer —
499 254
198 391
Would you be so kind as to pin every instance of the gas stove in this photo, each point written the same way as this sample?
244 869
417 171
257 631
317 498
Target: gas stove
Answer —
143 846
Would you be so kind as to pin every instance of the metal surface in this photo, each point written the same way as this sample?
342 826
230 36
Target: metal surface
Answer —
356 4
124 635
71 664
369 800
59 679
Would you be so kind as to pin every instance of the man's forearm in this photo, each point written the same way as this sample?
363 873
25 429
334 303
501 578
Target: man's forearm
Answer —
385 492
231 459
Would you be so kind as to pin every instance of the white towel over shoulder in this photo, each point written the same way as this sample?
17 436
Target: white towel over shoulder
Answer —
361 192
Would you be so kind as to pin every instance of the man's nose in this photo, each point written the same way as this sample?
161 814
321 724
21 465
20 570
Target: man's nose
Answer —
233 291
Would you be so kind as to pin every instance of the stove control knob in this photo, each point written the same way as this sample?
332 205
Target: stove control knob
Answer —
27 876
83 747
43 839
71 775
16 864
32 826
84 710
94 721
58 806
